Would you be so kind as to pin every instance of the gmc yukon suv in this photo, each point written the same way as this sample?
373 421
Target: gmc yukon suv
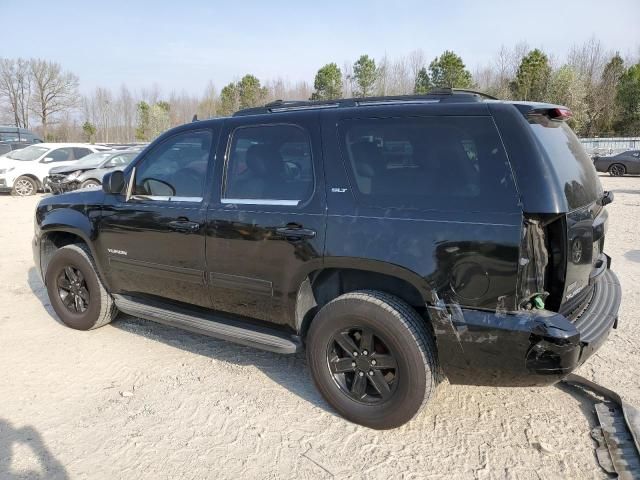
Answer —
397 239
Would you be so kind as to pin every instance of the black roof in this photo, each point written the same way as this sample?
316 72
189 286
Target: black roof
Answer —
441 95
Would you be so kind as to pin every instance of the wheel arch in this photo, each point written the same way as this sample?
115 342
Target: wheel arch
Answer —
343 275
33 177
65 227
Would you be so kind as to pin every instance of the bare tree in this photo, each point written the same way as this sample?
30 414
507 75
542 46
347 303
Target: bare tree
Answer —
417 61
588 60
347 79
15 86
54 91
208 106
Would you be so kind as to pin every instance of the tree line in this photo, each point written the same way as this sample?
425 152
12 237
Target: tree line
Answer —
601 88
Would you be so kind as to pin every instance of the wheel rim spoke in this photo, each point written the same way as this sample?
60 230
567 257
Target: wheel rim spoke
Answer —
358 386
366 340
67 300
384 361
380 384
64 283
342 365
84 294
71 275
77 303
346 343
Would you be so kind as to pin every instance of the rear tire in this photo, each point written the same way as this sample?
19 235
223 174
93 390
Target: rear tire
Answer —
372 358
24 187
75 290
617 170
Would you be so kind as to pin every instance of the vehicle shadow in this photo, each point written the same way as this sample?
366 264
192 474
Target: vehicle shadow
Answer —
289 371
50 467
40 291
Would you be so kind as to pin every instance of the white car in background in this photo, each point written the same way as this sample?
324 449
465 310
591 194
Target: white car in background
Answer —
22 171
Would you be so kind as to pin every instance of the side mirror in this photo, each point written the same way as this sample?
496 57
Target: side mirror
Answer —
113 182
46 160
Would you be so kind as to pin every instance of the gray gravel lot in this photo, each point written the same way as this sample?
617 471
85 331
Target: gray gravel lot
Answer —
140 400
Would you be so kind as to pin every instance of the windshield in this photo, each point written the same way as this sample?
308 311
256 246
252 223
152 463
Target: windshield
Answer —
573 167
27 154
93 160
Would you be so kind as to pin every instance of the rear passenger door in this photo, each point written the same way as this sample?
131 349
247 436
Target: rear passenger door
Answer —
265 225
433 194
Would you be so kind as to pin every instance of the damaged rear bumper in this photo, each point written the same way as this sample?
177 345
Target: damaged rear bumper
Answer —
528 348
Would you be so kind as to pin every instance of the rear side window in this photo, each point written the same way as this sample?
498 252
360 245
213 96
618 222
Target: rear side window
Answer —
269 164
428 163
81 152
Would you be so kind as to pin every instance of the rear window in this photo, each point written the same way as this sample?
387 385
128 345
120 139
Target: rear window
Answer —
573 167
429 163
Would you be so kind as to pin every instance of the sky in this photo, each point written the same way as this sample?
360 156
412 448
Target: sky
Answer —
182 45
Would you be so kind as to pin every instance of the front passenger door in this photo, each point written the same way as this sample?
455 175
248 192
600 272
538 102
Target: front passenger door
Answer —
154 242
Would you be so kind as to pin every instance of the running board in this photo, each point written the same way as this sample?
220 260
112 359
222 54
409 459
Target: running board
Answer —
212 324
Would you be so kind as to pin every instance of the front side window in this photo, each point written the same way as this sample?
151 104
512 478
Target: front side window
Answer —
269 164
176 167
428 163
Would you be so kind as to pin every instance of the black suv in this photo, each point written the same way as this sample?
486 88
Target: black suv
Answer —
399 239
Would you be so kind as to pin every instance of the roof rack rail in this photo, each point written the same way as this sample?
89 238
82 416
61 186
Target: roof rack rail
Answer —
433 96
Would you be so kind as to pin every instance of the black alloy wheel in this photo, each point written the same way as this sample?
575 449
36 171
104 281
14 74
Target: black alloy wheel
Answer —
362 365
73 290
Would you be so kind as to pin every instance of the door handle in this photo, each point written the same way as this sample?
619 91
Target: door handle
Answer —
295 232
184 226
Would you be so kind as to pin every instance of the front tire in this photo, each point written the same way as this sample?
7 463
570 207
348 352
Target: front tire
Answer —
90 183
76 292
617 170
24 187
372 358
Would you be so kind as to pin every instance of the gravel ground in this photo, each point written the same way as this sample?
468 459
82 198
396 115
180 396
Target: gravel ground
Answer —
140 400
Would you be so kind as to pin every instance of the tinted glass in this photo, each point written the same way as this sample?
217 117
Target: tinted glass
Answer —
81 152
4 148
428 163
269 162
573 167
176 167
60 155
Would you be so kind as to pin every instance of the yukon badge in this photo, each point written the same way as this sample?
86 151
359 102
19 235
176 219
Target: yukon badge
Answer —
113 251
